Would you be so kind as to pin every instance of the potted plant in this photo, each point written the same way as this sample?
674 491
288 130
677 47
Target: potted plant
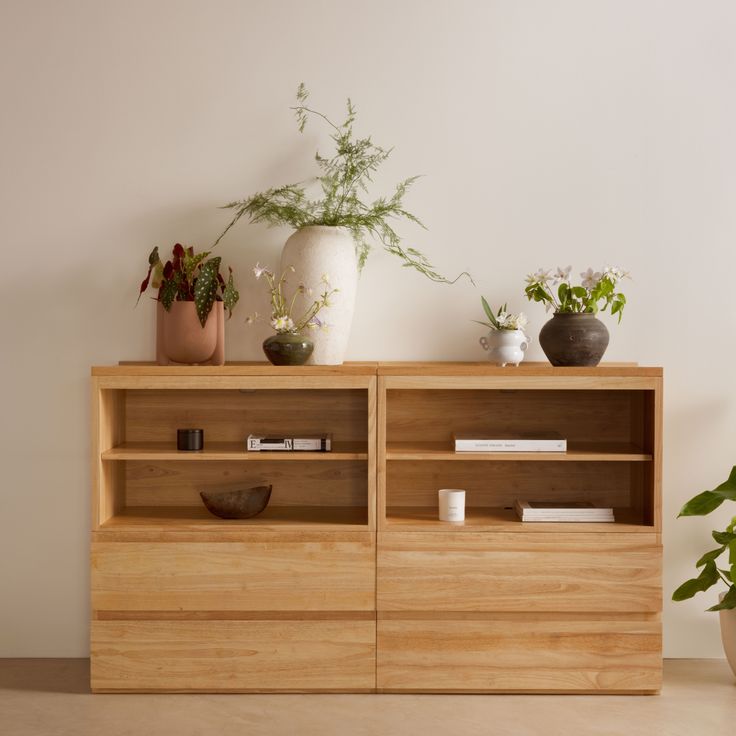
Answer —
192 296
335 228
506 341
574 336
288 346
711 573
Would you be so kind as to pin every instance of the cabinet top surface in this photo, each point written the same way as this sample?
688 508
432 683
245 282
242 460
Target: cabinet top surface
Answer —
418 368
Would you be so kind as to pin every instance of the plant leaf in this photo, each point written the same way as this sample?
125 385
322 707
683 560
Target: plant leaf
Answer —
728 602
707 578
205 290
230 295
724 537
153 260
712 555
167 293
701 504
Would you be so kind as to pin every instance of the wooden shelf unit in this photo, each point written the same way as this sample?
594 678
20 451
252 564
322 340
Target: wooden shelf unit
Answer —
492 604
348 581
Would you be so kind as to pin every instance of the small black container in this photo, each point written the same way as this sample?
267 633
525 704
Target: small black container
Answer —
189 440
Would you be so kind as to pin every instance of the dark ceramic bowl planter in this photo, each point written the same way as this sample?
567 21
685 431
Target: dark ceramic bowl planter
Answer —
570 339
286 348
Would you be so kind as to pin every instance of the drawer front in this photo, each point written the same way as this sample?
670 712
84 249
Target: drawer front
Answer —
519 655
325 573
461 571
233 655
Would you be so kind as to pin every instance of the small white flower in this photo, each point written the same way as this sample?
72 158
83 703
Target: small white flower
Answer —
614 273
325 278
259 270
521 321
562 274
504 319
590 278
282 324
251 318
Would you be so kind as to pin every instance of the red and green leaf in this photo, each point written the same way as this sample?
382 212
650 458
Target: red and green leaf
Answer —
205 289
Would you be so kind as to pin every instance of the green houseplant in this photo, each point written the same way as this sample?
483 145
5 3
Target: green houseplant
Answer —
574 336
192 296
506 341
335 220
289 346
710 572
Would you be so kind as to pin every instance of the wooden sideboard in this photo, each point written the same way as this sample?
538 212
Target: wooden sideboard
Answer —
348 582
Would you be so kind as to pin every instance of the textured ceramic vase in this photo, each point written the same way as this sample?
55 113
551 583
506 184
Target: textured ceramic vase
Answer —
728 634
287 348
574 340
505 347
314 251
180 338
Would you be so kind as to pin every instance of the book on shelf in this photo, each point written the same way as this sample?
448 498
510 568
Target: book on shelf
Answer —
539 442
261 443
572 511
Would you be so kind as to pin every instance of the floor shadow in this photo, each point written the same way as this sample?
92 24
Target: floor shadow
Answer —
69 676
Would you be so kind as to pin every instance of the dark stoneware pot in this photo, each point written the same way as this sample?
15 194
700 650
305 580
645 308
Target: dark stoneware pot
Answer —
574 339
238 504
288 349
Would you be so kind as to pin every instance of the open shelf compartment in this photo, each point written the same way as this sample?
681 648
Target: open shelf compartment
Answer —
145 483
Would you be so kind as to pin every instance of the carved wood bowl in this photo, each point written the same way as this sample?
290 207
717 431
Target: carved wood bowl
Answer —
241 503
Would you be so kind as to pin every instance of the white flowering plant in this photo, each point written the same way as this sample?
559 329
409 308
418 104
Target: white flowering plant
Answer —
282 307
502 319
597 291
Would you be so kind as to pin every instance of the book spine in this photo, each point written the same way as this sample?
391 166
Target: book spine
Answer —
510 445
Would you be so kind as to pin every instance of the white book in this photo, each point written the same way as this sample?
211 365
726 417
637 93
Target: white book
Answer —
580 511
539 443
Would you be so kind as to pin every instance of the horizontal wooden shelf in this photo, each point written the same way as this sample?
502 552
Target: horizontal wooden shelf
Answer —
424 518
196 518
229 451
577 452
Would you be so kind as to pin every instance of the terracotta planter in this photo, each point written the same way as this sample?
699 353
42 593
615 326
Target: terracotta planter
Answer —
728 634
180 338
574 339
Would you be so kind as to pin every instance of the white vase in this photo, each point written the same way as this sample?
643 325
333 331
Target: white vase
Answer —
728 634
315 251
505 346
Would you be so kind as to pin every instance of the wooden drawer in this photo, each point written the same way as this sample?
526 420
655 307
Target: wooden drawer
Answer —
524 571
520 653
233 656
254 572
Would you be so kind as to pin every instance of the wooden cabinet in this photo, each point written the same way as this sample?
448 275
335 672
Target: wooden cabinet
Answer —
348 581
184 601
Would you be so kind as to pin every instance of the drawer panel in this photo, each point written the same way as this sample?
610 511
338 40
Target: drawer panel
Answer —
233 655
447 571
327 572
526 655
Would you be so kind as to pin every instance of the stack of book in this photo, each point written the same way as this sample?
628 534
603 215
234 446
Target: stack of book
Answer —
541 442
559 511
260 443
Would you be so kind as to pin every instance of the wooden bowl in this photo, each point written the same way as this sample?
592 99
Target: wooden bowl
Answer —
237 504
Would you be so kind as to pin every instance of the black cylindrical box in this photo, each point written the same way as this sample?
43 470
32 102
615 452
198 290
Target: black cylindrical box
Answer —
189 440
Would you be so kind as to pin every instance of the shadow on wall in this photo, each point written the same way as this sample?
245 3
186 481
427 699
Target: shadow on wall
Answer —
69 676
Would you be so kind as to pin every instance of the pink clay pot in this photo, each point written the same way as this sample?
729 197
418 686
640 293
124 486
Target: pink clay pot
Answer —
180 338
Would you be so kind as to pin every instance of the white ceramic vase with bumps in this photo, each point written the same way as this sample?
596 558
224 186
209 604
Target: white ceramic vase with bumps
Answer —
505 347
316 251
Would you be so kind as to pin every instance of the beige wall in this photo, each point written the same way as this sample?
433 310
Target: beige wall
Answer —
549 132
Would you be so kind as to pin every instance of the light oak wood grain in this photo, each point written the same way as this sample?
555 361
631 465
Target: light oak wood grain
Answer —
518 572
297 482
233 656
499 484
236 368
529 655
274 518
230 416
528 369
265 573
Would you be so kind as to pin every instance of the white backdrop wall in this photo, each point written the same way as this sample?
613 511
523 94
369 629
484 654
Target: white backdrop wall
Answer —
549 133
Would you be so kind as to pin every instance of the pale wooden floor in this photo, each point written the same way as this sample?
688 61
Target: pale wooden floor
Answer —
49 697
